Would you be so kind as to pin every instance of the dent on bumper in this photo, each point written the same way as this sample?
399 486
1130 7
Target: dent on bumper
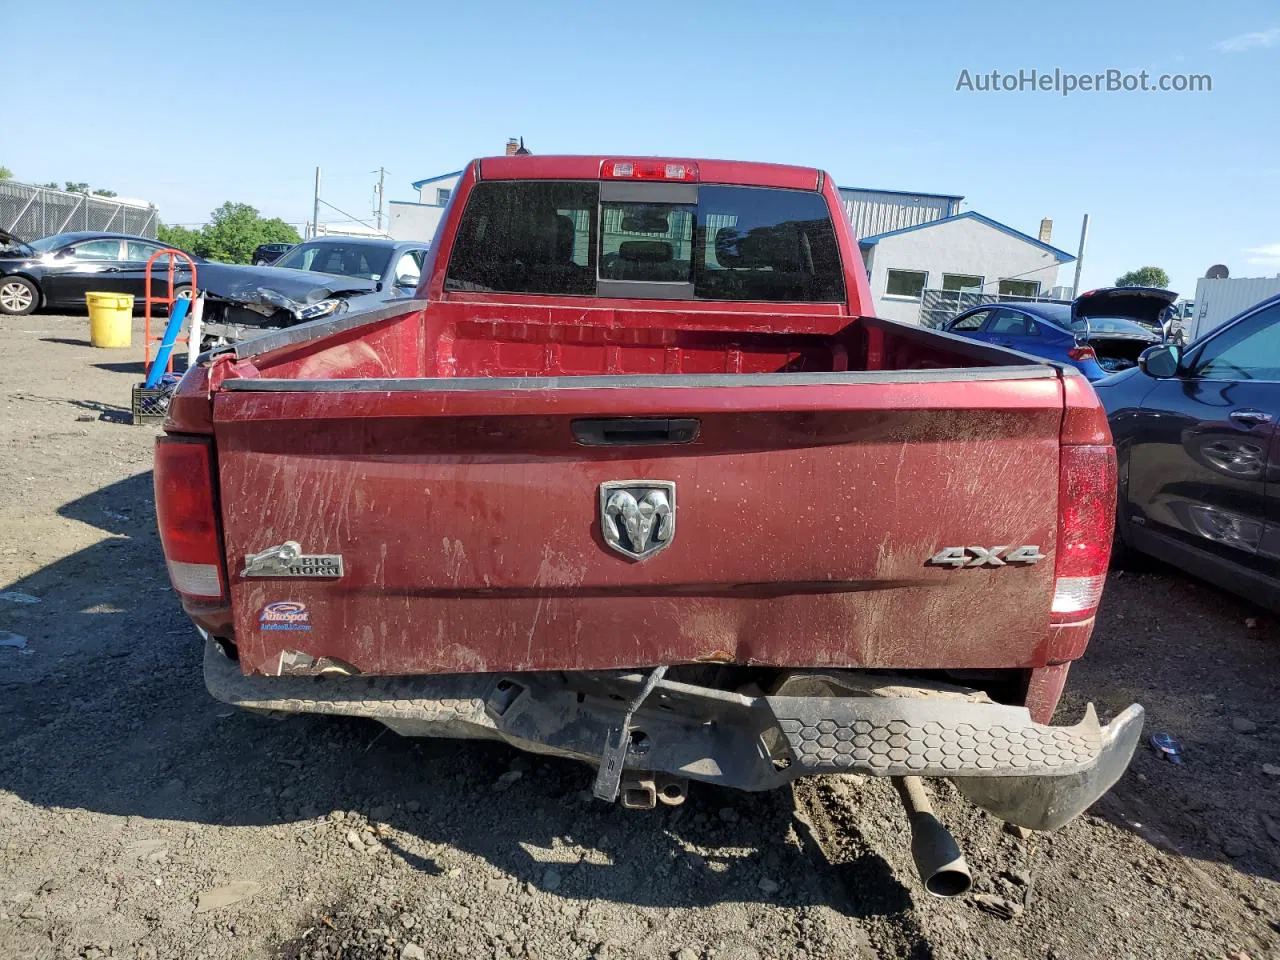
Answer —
1027 773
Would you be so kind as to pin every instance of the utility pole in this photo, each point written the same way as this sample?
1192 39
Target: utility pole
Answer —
315 209
1084 235
382 175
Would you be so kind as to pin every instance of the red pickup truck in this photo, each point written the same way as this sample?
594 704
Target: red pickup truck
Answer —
639 479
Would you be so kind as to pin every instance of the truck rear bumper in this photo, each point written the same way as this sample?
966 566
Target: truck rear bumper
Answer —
1030 774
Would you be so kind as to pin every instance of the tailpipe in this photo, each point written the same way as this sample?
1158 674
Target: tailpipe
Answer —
938 858
671 790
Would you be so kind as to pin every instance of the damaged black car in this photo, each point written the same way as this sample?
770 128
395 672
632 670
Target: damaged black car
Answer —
316 279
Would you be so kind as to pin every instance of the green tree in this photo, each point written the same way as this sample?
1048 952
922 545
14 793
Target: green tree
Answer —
51 185
184 238
73 187
104 193
5 173
230 236
234 229
1144 277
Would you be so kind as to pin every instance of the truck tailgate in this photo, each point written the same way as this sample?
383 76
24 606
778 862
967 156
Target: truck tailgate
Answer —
469 520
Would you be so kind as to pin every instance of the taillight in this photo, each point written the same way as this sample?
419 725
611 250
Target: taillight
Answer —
678 170
1082 353
1086 523
187 517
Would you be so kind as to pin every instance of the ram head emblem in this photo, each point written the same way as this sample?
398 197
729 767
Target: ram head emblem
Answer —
638 517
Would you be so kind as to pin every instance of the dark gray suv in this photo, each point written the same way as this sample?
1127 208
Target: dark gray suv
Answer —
265 253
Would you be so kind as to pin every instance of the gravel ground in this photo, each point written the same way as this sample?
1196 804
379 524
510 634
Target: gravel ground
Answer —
140 818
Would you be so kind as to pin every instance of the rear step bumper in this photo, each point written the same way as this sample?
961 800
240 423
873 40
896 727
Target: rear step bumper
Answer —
1027 773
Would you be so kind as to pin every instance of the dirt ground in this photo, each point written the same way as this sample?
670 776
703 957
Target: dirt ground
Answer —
140 818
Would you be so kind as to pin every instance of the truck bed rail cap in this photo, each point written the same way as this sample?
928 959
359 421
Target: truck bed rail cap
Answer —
648 381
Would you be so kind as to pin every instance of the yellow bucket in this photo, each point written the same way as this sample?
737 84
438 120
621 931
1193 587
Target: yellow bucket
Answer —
110 319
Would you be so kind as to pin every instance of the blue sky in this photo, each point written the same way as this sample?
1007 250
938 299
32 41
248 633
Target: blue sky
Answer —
191 105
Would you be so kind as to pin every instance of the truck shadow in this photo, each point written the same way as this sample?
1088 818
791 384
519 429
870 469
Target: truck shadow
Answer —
106 711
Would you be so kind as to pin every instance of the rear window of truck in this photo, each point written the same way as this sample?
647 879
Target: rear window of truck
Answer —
560 238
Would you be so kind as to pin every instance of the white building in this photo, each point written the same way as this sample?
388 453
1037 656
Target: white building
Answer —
960 252
345 229
418 221
1220 299
913 242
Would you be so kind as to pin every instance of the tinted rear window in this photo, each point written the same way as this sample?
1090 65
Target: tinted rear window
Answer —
766 245
527 237
735 243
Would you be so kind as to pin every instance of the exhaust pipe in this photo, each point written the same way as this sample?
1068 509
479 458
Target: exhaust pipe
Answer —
672 790
937 856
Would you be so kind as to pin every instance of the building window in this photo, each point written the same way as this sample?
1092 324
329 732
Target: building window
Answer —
961 281
1019 288
442 196
905 283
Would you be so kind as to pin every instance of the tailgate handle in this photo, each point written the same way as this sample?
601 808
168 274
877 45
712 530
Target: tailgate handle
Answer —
634 431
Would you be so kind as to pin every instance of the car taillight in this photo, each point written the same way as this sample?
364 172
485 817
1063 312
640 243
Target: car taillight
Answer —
678 170
1086 522
187 517
1082 353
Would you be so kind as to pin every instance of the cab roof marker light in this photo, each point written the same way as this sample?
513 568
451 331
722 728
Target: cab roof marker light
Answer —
670 170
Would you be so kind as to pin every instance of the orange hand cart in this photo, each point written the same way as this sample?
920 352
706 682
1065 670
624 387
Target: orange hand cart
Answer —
176 291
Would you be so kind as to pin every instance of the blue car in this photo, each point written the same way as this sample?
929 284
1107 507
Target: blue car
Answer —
1100 333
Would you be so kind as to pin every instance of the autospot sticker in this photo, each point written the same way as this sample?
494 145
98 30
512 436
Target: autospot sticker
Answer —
285 615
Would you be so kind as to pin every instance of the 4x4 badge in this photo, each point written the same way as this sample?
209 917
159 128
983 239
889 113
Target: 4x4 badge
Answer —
638 517
985 556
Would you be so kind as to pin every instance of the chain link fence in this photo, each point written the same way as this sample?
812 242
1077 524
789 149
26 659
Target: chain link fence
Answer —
940 307
30 212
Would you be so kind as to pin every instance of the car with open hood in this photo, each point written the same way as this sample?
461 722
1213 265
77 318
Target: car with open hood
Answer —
320 278
58 271
1100 333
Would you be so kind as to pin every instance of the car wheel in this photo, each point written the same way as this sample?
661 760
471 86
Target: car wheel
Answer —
182 292
18 296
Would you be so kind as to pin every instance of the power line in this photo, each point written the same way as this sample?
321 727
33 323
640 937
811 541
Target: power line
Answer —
353 219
